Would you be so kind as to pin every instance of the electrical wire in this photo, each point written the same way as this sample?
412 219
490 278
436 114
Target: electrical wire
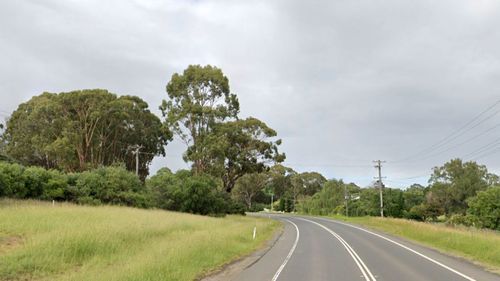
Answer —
455 134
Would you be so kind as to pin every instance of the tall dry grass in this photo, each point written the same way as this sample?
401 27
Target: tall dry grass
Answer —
70 242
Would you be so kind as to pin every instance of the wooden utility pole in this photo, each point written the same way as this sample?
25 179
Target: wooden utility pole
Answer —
378 165
346 199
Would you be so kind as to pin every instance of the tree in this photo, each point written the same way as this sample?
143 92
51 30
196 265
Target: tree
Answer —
199 98
280 179
455 181
3 144
308 182
413 196
249 185
485 206
80 130
329 199
239 147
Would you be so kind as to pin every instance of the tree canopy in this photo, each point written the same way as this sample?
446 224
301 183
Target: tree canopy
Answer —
199 98
240 147
454 182
203 112
79 130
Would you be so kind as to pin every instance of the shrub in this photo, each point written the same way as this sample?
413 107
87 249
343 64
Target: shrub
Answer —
257 207
12 180
114 185
35 179
486 207
466 220
185 192
55 186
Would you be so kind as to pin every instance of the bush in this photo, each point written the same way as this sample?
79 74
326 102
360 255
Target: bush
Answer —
55 186
113 185
12 180
185 192
486 207
35 179
257 207
286 204
466 220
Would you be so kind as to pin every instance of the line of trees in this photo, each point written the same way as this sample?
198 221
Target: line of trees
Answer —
86 135
79 146
458 193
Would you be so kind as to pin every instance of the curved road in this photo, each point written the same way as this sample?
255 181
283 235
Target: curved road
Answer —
318 249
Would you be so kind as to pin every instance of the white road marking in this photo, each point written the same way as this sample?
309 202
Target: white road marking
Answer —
359 262
277 274
407 248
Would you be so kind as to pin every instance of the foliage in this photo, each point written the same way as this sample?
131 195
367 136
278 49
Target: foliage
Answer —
12 180
454 182
203 112
280 177
239 147
326 200
78 130
112 185
413 196
186 192
248 186
485 206
286 203
199 98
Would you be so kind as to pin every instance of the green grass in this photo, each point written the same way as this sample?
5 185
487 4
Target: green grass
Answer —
70 242
479 246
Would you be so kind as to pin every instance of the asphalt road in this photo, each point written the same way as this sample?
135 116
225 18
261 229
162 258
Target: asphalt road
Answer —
313 249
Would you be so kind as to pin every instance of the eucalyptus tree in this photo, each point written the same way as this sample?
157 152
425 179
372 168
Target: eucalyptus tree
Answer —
249 185
84 129
198 99
239 147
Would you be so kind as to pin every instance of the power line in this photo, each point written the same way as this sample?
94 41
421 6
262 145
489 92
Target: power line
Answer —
491 151
483 148
458 144
455 134
330 165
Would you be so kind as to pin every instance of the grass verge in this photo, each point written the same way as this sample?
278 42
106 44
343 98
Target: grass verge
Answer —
70 242
479 246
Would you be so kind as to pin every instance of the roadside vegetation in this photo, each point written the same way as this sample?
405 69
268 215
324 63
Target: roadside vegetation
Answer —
479 245
458 194
94 147
39 241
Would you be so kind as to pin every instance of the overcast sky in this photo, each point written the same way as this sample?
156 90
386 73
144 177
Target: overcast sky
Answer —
343 82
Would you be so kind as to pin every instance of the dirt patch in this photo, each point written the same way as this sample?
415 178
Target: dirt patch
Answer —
10 242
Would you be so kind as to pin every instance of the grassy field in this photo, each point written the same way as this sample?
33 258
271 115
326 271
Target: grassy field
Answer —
480 246
70 242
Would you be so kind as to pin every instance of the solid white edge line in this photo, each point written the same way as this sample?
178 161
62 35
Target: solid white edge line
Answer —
359 262
277 274
405 247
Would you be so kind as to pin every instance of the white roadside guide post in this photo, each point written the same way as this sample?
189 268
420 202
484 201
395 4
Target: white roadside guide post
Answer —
254 231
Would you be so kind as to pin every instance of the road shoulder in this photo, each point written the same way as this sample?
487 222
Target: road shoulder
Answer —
232 269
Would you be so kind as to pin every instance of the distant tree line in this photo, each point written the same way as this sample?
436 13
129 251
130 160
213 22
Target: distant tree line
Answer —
458 193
